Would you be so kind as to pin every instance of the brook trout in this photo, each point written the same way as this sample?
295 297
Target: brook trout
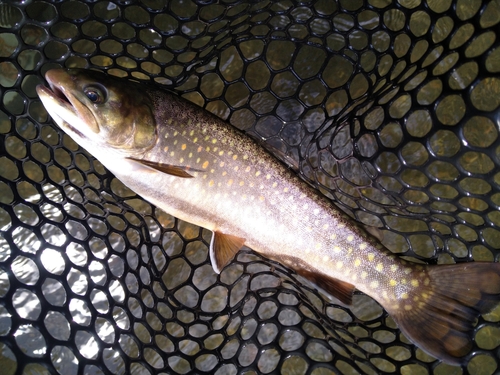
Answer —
201 170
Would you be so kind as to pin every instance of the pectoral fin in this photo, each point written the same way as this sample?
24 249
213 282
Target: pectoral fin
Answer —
339 289
174 170
223 248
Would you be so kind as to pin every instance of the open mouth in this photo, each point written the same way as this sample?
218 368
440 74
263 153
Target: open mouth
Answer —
58 93
57 104
60 98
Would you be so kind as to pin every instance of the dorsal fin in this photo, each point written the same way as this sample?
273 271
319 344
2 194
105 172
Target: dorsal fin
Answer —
223 248
341 290
174 170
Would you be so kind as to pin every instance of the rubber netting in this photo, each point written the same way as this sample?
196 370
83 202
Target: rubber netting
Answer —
391 109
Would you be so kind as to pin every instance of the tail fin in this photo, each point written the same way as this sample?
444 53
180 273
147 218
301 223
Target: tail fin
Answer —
442 315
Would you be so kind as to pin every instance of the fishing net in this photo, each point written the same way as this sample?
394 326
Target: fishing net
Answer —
390 109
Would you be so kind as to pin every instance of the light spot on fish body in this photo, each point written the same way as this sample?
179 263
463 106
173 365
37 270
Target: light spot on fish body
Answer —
408 307
393 282
357 262
394 267
364 275
339 265
374 284
371 257
404 295
363 246
415 283
350 238
165 149
379 267
336 249
205 165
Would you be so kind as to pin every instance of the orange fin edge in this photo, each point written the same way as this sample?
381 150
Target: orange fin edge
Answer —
223 248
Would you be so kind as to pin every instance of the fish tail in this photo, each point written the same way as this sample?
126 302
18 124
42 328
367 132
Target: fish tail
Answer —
439 317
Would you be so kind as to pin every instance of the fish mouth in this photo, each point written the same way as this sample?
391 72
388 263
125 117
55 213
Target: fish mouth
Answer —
63 105
56 98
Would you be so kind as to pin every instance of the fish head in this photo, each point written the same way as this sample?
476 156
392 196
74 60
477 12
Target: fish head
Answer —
99 110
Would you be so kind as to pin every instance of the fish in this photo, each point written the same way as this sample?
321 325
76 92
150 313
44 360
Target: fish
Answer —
202 170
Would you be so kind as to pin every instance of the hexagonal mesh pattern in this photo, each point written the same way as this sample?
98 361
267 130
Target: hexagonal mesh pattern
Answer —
389 109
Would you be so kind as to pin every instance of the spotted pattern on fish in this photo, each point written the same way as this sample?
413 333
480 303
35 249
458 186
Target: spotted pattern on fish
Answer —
200 169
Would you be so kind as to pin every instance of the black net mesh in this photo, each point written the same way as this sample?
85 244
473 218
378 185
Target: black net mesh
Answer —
391 109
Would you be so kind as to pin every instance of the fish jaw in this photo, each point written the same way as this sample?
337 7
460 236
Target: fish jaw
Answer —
120 118
65 108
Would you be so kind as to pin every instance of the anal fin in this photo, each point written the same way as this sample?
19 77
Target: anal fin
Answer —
341 290
223 248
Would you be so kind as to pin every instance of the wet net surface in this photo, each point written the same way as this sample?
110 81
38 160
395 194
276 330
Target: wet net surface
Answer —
389 109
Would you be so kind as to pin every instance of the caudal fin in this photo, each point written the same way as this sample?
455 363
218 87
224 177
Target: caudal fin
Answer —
441 318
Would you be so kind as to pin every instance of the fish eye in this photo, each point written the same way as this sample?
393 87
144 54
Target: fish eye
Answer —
94 94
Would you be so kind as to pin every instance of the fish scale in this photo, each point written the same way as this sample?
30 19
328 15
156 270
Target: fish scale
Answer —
267 199
201 170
